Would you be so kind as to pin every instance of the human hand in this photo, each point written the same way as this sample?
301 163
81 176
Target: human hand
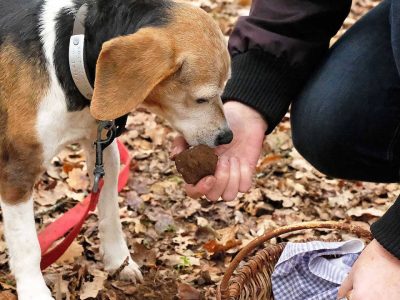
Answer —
375 275
237 160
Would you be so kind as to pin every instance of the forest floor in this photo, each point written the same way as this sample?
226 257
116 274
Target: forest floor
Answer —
183 245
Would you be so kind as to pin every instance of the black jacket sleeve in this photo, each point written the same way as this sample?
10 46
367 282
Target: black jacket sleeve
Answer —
275 48
387 229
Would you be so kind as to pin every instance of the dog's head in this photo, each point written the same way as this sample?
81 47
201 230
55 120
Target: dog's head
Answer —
177 70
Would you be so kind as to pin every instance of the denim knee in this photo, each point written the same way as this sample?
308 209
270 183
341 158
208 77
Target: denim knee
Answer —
319 144
346 122
335 146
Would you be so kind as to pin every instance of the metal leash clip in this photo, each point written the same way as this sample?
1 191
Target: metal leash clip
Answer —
100 144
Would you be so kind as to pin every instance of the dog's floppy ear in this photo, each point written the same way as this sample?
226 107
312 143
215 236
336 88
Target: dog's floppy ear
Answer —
128 69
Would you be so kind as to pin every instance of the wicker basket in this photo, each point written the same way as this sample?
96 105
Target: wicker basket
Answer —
252 281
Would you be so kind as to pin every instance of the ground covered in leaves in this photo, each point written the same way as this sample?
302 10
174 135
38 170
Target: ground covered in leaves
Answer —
183 245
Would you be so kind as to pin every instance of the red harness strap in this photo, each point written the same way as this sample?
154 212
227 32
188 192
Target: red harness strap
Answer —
71 222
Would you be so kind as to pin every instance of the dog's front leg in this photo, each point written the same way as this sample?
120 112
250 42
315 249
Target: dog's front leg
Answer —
113 245
24 250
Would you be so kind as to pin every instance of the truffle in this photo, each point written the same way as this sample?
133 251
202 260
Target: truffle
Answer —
196 163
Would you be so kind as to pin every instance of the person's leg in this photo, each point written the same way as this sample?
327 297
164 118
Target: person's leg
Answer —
347 120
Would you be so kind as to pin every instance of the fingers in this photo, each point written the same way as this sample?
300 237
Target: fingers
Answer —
346 287
178 145
246 176
201 188
232 188
226 183
222 179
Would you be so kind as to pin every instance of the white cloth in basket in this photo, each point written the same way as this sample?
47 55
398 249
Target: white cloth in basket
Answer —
313 270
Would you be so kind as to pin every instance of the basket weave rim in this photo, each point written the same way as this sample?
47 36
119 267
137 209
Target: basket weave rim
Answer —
334 225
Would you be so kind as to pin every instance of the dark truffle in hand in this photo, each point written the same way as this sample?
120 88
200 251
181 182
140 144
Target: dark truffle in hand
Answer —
196 163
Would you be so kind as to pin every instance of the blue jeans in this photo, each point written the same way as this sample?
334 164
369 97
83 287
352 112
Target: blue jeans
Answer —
346 122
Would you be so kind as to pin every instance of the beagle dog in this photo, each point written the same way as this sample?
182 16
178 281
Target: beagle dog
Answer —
169 57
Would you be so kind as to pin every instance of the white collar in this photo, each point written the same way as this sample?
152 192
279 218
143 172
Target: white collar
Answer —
77 55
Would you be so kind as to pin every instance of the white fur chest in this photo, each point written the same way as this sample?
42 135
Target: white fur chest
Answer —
57 127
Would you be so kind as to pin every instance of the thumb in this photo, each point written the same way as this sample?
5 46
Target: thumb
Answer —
346 287
178 145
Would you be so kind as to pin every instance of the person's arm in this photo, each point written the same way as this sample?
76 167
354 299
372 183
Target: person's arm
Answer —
387 229
275 48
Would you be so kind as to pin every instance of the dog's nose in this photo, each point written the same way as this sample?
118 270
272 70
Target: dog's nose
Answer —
224 137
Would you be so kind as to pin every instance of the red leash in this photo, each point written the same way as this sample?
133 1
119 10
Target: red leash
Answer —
72 221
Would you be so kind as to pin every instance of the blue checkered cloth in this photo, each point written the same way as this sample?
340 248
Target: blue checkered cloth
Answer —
313 270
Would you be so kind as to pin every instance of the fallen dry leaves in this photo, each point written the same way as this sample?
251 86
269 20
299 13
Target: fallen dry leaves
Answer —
74 251
183 245
187 292
7 295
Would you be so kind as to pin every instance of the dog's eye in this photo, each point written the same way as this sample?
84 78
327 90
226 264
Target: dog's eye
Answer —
201 100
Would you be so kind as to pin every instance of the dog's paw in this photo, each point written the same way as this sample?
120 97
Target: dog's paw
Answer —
131 272
127 271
